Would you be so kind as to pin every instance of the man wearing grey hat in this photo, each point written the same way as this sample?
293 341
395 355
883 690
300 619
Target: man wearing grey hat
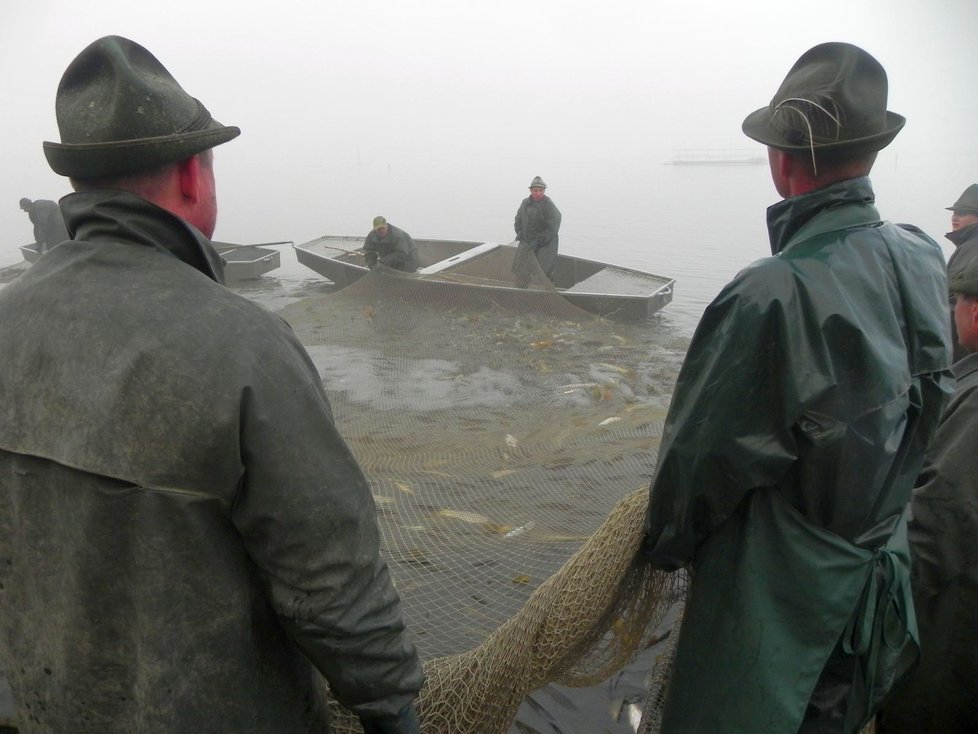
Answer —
390 246
537 225
185 538
964 230
941 695
811 387
964 217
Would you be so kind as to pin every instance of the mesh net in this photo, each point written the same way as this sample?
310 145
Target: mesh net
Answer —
507 444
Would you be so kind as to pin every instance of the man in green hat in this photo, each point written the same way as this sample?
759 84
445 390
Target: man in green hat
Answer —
390 246
964 217
811 387
537 225
941 695
187 543
964 230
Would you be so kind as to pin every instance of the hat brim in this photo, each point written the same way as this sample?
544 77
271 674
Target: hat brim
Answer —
757 126
120 157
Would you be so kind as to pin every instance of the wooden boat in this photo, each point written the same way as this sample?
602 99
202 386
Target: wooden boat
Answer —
241 262
619 293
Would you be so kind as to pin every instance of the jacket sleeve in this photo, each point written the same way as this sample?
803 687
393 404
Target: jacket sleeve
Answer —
308 520
728 429
370 253
518 222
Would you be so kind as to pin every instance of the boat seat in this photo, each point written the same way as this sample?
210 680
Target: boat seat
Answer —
470 254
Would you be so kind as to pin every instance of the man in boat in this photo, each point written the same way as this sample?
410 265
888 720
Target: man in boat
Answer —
537 225
941 695
49 225
798 425
185 537
964 230
390 246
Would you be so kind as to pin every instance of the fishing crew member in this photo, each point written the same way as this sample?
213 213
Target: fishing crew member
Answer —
810 390
187 541
537 224
390 246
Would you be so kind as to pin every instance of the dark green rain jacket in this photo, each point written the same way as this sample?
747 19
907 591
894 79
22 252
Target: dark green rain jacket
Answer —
183 532
797 428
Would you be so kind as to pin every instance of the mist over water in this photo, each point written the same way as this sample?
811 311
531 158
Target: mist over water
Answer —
697 224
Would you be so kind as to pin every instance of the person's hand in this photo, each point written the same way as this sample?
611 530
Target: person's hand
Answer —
406 722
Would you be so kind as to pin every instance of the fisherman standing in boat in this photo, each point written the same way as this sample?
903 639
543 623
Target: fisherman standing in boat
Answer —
49 225
810 390
390 246
537 225
185 537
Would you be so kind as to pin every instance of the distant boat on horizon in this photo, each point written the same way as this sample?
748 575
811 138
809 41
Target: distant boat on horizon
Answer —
716 157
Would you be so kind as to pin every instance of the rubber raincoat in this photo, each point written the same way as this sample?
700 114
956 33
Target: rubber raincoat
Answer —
183 532
396 250
537 223
796 430
941 695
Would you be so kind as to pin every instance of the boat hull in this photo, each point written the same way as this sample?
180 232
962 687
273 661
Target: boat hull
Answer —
621 294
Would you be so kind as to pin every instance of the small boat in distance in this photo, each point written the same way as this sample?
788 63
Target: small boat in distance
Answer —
717 157
241 262
484 268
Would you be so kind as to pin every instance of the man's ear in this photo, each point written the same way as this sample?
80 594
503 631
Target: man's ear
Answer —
973 311
189 171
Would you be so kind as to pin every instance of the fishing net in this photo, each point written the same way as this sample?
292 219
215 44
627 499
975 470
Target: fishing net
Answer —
508 437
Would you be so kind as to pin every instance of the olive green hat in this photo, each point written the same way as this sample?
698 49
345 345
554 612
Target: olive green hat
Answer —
379 222
962 270
537 183
967 202
120 111
833 99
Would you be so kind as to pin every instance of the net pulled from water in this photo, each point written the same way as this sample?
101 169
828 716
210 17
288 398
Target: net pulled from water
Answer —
508 439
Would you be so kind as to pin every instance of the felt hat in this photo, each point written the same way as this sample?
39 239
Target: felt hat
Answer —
967 202
537 183
120 111
833 99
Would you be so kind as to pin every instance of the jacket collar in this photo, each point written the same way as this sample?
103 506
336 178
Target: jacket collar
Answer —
793 219
965 366
960 236
119 216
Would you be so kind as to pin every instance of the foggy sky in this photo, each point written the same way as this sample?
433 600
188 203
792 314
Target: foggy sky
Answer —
455 89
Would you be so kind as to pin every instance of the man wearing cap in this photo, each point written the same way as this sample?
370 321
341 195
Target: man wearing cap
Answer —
390 246
964 230
185 538
809 392
941 695
537 225
964 217
49 225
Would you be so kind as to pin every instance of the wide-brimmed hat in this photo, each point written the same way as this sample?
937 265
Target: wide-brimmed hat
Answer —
537 183
834 98
967 202
120 111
